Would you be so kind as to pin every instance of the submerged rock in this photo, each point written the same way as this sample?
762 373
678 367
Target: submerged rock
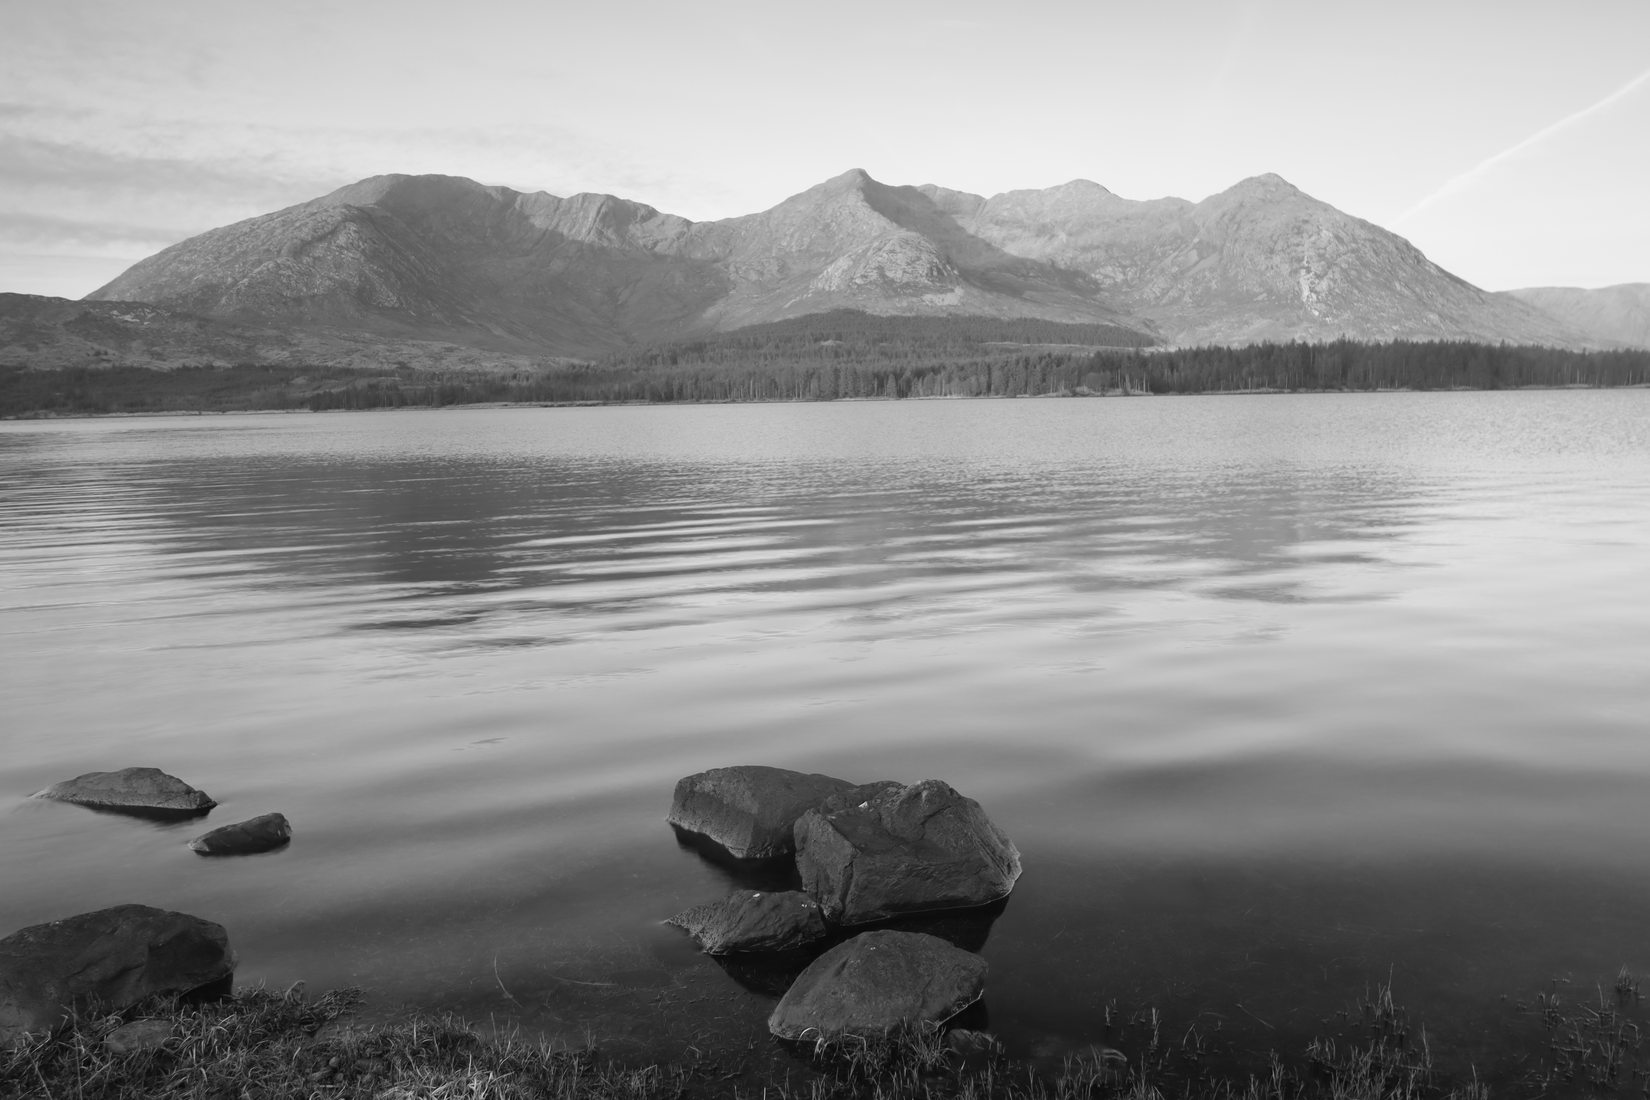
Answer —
111 958
903 850
749 810
750 920
131 790
878 984
257 834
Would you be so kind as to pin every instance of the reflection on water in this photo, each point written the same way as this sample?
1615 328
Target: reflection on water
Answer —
1276 695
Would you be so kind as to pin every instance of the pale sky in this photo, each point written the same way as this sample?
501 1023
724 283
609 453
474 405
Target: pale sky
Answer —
1509 140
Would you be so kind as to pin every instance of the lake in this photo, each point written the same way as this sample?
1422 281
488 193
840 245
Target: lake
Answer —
1281 697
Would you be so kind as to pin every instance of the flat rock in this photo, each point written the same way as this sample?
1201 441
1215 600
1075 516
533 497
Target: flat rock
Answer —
131 790
748 920
878 984
107 960
903 849
750 810
257 834
138 1035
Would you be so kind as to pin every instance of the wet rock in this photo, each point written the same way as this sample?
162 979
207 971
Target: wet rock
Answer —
258 834
754 921
141 791
111 958
969 1041
749 810
904 849
878 984
138 1035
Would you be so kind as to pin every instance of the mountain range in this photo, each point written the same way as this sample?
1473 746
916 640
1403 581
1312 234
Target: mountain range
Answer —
444 261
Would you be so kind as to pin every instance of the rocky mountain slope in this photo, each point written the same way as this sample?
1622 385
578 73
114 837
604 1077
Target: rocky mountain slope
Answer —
1618 314
447 259
1259 261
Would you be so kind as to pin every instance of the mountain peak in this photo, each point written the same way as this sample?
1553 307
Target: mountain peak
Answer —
1268 185
1081 186
852 178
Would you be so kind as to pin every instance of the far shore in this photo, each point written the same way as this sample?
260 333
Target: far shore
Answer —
482 405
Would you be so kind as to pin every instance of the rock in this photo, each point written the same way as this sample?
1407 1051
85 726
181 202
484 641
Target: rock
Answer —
749 810
877 984
966 1041
754 921
109 959
138 1035
258 834
131 790
903 850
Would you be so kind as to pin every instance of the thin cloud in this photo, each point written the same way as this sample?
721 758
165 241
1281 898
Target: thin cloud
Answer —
1466 179
30 230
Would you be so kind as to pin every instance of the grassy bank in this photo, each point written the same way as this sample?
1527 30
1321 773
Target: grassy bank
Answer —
260 1045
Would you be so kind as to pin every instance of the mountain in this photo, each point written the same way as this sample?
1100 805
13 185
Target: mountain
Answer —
1617 314
1262 260
442 258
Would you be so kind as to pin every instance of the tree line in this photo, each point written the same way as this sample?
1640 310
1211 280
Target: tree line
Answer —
833 358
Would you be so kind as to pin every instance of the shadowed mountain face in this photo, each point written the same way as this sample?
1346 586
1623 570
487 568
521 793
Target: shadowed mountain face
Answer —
1618 314
445 258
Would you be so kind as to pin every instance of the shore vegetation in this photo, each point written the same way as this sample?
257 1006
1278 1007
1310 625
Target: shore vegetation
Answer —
263 1045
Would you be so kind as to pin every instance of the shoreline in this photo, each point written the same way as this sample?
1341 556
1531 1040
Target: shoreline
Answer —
486 405
288 1045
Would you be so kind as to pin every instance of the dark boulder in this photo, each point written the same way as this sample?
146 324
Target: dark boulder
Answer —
141 791
754 921
107 960
258 834
749 810
903 850
877 985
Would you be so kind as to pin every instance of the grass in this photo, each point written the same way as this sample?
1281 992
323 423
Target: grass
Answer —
259 1045
267 1046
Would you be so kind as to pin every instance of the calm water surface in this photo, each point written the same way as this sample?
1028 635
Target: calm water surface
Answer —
1278 696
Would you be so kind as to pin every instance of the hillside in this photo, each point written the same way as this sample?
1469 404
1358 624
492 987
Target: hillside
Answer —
1616 314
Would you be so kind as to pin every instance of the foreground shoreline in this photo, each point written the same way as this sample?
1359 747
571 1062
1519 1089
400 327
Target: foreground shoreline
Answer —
262 1044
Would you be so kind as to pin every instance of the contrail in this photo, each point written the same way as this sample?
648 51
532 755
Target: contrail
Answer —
1461 182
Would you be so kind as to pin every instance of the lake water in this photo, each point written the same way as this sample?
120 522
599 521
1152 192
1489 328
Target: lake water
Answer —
1279 696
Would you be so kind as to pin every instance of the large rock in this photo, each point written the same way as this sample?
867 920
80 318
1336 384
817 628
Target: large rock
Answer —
878 984
131 790
775 920
903 850
749 810
257 834
107 961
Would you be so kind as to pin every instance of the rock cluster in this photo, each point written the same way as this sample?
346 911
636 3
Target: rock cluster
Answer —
113 958
864 854
150 792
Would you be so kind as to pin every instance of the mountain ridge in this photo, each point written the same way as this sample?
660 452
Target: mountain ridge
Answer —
448 258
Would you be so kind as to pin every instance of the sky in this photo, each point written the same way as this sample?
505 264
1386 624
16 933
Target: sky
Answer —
1508 140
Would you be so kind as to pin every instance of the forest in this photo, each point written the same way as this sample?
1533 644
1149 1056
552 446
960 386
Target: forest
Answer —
838 356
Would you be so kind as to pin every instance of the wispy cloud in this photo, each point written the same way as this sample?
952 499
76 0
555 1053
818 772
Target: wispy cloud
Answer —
1465 180
31 230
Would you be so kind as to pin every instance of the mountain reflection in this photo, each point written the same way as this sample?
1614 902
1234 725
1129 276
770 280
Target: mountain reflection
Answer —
450 544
